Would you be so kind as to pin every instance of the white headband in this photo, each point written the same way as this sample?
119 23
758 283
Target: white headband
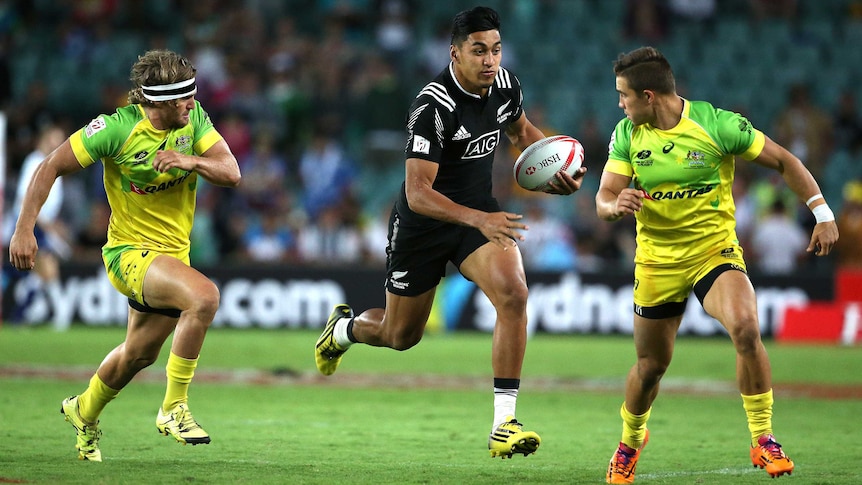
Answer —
166 92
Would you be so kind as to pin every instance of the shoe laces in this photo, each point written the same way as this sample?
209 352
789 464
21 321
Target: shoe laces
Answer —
90 434
514 423
185 419
511 426
623 462
92 437
89 431
330 349
773 448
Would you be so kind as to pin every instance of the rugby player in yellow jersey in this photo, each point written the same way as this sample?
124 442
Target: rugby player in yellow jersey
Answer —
680 156
153 152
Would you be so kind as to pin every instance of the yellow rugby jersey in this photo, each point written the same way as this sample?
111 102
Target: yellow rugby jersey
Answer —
686 175
149 210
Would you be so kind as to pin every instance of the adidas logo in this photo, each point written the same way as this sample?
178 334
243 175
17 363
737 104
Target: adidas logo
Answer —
461 134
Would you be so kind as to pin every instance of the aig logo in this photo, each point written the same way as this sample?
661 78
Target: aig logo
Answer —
482 145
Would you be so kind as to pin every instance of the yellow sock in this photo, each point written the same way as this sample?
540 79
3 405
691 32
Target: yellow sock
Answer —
92 401
634 427
180 372
758 410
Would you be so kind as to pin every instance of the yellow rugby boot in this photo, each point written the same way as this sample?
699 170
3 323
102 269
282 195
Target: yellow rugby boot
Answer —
327 352
180 424
88 434
510 438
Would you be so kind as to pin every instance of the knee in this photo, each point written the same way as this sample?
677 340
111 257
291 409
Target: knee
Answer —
401 335
205 303
140 358
512 299
142 362
651 370
746 336
404 341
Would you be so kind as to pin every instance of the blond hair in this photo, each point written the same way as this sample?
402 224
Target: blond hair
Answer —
158 67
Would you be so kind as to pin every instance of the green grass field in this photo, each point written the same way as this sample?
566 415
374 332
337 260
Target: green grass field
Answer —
420 416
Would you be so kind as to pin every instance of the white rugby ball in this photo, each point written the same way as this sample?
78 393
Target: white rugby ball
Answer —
539 163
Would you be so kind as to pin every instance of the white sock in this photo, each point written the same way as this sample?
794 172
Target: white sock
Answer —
340 333
504 405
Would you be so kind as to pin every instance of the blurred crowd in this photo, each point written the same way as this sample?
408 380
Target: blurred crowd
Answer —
312 95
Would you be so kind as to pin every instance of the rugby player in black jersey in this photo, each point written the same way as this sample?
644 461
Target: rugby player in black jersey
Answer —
446 212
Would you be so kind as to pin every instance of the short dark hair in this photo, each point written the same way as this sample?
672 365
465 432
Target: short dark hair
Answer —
477 19
646 68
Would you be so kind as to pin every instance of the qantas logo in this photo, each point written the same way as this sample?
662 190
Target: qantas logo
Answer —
482 146
688 193
152 189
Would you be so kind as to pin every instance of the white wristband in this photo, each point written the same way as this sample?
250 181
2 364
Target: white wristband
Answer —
822 213
813 198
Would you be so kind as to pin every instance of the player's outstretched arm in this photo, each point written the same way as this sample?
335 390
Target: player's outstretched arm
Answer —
802 183
501 228
22 246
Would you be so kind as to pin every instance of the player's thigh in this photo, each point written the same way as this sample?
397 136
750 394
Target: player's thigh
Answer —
654 338
170 283
731 300
407 315
498 272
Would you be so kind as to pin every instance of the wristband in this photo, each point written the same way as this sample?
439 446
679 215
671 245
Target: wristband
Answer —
813 198
822 213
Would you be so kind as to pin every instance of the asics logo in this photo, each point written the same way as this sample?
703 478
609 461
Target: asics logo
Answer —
667 148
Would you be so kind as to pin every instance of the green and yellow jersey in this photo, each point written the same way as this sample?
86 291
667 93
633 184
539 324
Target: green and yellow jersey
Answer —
149 210
686 175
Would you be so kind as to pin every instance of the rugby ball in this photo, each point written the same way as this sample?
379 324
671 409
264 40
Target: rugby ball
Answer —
539 163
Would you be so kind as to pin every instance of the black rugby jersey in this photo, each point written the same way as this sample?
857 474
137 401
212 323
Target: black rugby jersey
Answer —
460 131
